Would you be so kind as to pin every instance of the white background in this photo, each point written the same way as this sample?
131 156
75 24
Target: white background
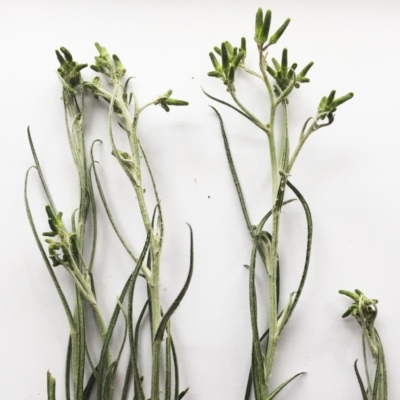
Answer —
347 172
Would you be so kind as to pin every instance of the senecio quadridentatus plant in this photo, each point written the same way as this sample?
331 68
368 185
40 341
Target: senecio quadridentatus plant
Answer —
87 372
364 311
279 80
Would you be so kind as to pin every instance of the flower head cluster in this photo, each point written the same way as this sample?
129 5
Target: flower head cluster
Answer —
263 24
110 66
328 105
58 250
286 76
166 100
363 309
231 58
69 70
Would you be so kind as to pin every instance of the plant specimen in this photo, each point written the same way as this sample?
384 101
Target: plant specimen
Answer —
364 310
279 80
66 246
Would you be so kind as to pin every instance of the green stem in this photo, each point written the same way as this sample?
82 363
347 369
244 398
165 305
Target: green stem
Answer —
131 127
303 138
155 370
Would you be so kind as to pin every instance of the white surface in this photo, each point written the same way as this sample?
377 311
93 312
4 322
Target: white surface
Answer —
347 172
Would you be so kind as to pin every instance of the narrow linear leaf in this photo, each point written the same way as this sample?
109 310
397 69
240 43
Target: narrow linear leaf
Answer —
39 169
182 394
113 321
247 393
110 330
107 208
257 357
68 370
176 370
168 365
360 382
234 173
138 324
79 362
226 104
94 218
44 256
90 385
177 301
280 387
308 249
116 362
133 356
51 387
257 383
127 381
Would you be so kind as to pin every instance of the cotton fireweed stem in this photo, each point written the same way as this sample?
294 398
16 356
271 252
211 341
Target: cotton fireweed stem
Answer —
279 79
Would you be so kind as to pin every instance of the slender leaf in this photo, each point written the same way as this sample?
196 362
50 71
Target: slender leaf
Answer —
308 250
39 170
182 394
280 387
94 217
51 387
68 371
360 382
177 301
138 324
133 355
44 256
227 104
127 381
107 208
176 370
234 173
168 365
79 362
258 362
90 385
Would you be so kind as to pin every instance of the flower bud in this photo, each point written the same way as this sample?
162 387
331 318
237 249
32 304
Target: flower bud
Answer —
60 57
175 102
66 53
330 98
214 74
304 71
239 57
342 99
259 25
225 58
215 62
102 50
284 61
276 64
265 28
243 44
275 37
217 50
229 47
352 295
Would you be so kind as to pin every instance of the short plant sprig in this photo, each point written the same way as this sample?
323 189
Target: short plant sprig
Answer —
66 247
364 311
279 80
